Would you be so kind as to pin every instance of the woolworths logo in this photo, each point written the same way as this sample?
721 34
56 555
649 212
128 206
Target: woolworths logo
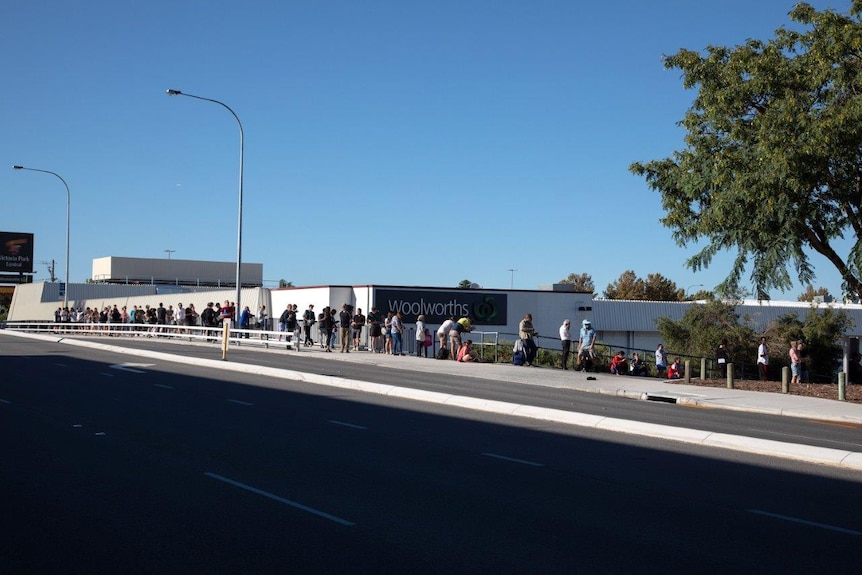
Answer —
485 310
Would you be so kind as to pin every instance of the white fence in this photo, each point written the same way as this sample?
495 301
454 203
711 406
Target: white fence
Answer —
192 333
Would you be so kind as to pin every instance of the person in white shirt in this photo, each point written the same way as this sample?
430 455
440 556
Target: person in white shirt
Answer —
566 342
763 359
443 331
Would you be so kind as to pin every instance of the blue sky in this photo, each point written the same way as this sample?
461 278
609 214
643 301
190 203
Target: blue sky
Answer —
387 142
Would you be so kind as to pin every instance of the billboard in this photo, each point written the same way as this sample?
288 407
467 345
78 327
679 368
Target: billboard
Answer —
482 307
16 252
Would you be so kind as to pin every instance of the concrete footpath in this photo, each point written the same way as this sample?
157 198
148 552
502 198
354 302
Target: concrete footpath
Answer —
621 386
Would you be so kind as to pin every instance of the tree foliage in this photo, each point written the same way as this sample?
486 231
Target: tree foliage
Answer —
655 287
773 159
703 327
810 293
583 282
465 284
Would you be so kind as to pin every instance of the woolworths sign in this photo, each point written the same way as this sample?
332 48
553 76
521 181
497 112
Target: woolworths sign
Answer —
482 307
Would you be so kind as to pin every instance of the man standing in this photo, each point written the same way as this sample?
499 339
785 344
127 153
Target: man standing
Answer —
721 358
763 359
344 320
358 323
587 339
374 331
660 360
443 332
307 322
566 342
526 332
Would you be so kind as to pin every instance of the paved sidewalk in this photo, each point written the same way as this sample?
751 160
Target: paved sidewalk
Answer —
643 388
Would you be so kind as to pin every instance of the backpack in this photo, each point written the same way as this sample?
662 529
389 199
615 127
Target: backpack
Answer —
442 353
519 357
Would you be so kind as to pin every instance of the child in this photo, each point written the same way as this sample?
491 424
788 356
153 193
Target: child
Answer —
673 371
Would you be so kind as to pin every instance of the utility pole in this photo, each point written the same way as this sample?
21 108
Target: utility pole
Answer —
51 267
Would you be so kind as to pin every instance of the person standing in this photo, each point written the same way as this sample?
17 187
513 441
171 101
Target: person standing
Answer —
794 362
344 320
323 329
721 358
245 321
763 359
660 360
307 322
587 339
356 326
526 332
397 328
420 336
443 332
375 333
566 342
802 350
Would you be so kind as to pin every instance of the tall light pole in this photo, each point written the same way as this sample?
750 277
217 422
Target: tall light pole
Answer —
169 252
691 286
68 210
512 282
239 211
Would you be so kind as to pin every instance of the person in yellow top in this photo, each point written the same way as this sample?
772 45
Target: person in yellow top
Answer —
463 325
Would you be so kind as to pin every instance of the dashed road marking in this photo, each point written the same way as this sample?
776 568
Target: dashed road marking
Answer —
513 460
806 522
351 425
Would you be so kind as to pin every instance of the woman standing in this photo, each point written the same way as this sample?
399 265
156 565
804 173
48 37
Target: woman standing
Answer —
420 336
794 363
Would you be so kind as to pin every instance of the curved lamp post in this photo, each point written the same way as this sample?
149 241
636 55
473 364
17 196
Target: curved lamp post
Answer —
691 286
68 208
239 216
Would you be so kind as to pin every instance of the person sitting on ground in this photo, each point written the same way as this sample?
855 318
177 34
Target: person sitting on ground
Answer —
585 360
466 353
673 370
637 367
619 363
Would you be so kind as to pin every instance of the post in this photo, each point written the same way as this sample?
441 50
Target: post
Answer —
729 376
785 379
842 386
688 371
225 339
702 368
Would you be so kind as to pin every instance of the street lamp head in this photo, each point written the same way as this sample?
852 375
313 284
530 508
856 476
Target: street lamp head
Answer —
173 92
17 167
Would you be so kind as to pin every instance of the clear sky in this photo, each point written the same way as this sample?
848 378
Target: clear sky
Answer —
389 142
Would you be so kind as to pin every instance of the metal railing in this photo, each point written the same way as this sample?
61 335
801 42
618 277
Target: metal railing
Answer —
235 336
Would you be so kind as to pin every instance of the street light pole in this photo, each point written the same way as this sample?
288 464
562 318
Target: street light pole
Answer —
239 214
691 286
512 282
68 211
169 252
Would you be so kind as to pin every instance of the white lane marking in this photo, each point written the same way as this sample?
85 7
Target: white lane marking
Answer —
240 402
131 366
512 459
106 374
281 499
61 365
100 433
6 402
77 425
806 522
163 386
334 422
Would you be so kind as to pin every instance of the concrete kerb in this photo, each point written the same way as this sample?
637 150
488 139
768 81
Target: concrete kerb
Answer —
819 455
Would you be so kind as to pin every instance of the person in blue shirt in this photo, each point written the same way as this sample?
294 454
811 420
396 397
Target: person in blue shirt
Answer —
587 339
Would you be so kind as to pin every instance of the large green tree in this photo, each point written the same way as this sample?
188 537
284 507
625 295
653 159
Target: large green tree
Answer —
773 159
583 282
655 287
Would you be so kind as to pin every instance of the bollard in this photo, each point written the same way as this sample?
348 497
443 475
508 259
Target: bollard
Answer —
842 385
729 376
702 368
225 340
688 371
785 379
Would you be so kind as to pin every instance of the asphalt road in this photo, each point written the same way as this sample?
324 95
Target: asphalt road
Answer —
778 428
175 468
